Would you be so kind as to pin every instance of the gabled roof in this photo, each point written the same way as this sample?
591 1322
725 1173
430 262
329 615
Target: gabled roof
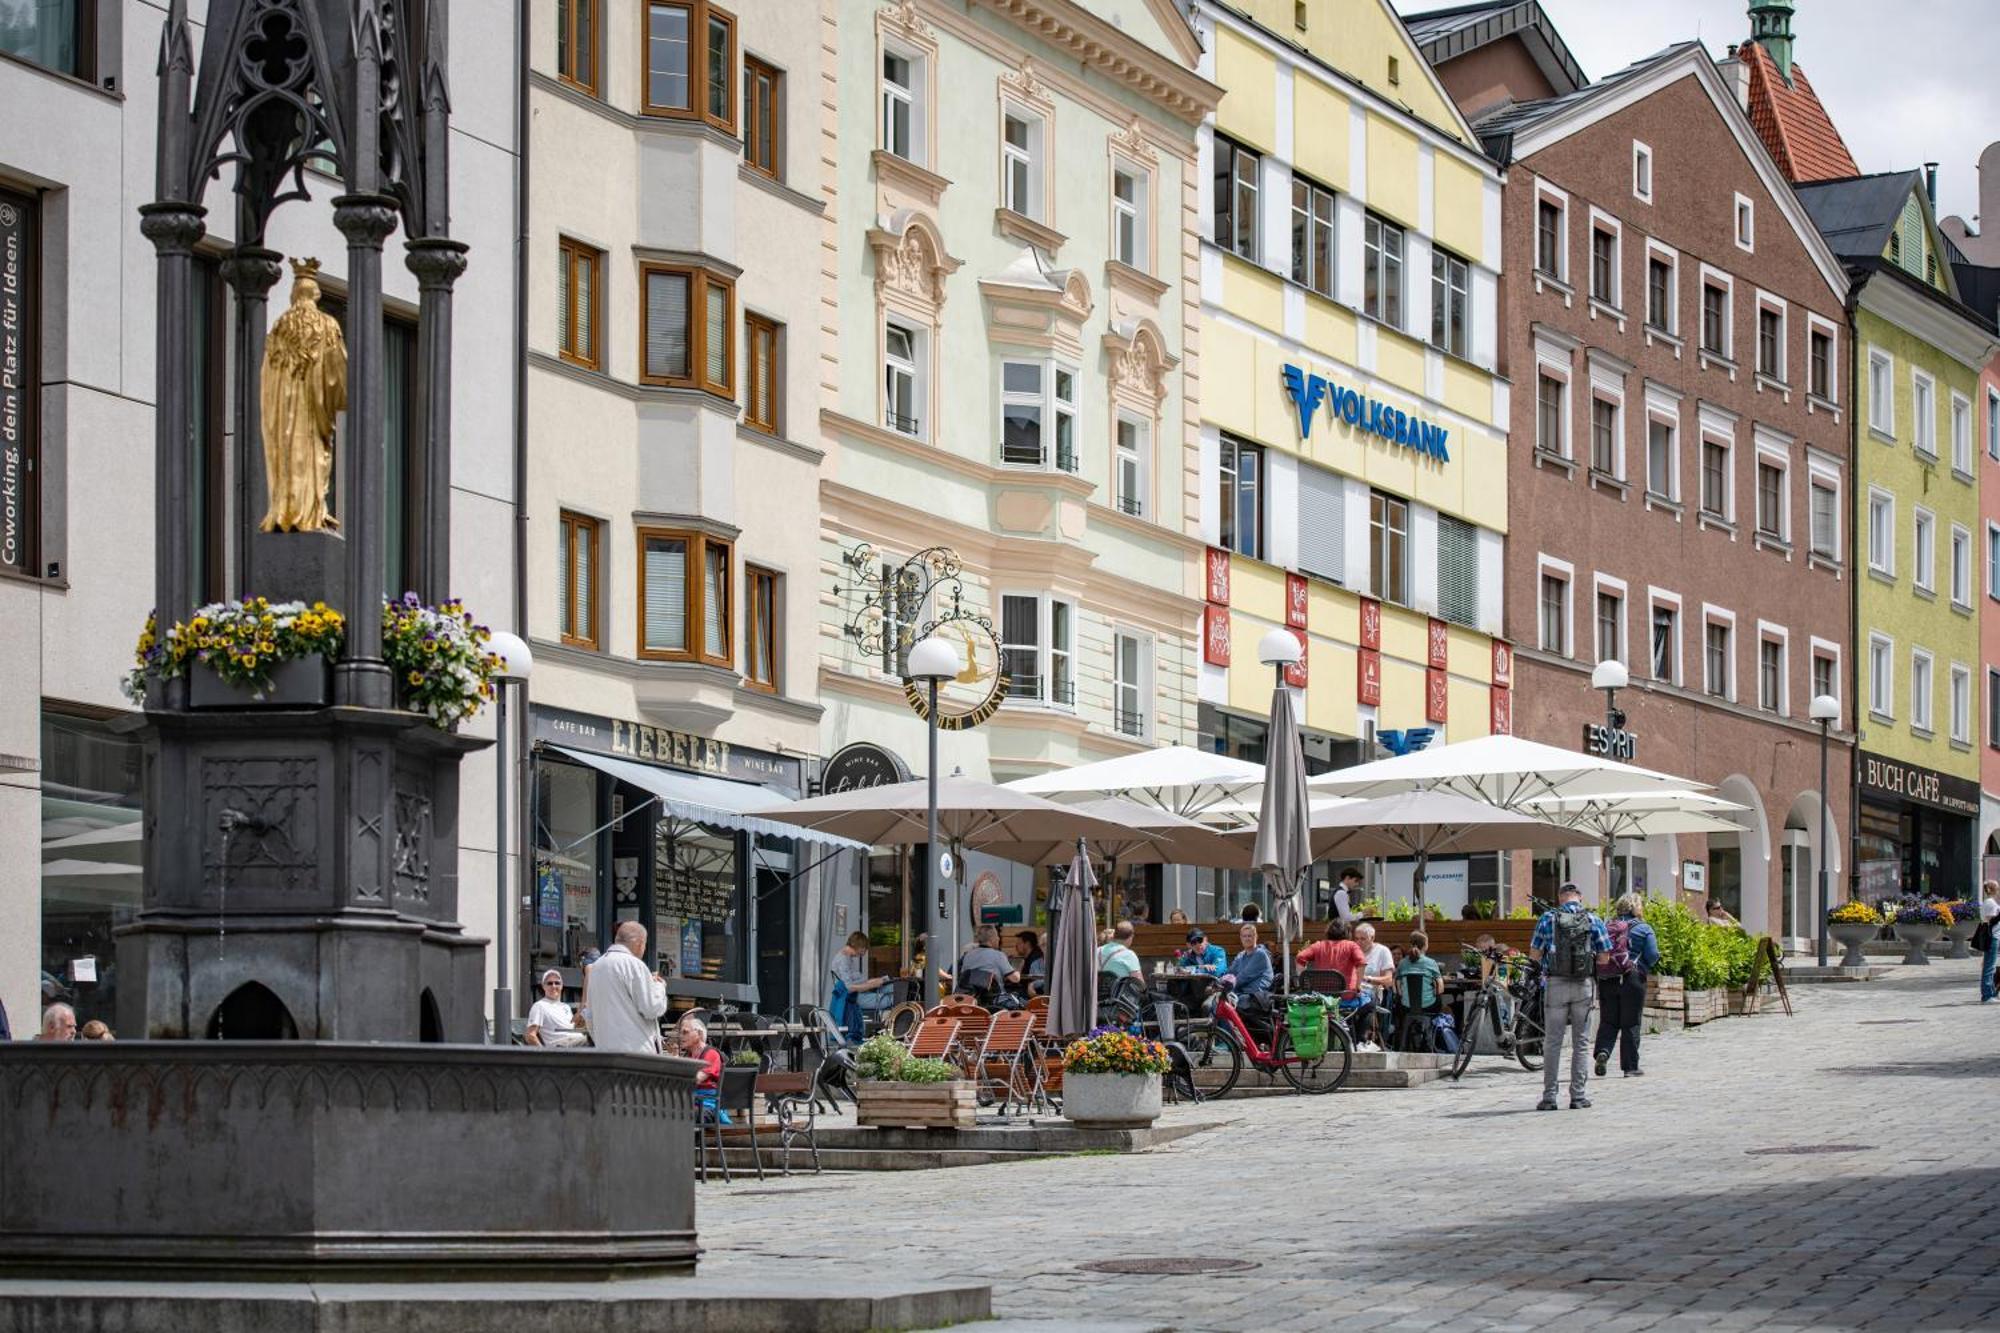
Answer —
1526 128
1445 34
1856 215
1498 130
1792 122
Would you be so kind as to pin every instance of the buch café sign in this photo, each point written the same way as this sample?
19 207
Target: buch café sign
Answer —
1883 776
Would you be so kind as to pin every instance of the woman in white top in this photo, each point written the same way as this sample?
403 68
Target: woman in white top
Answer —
550 1022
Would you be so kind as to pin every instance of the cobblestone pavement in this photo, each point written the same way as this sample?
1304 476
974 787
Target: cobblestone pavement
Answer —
1458 1205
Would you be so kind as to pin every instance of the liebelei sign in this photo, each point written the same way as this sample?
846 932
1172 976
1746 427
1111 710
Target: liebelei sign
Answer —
1310 392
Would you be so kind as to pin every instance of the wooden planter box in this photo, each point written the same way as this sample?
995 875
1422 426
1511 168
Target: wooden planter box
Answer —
1664 1020
1739 1003
1665 992
1706 1005
916 1105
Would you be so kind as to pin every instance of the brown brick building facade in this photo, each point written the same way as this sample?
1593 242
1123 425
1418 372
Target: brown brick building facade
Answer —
1673 331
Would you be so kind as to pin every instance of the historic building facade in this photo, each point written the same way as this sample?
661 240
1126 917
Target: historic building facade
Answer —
1679 469
1005 356
77 388
1353 428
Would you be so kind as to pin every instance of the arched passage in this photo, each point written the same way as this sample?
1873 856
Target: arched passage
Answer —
1800 859
1739 864
252 1013
430 1023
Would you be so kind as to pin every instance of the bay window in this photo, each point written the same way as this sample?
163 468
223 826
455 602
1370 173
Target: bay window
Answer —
1037 648
691 62
1038 414
685 328
684 597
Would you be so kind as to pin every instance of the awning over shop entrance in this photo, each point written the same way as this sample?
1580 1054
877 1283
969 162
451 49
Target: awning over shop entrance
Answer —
706 800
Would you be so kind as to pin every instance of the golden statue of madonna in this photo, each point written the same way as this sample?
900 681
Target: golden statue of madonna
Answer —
305 385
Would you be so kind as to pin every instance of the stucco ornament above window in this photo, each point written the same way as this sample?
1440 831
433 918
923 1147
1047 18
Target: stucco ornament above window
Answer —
910 257
1139 357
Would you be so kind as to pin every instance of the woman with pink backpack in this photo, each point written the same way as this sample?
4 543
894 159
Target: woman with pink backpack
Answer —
1621 984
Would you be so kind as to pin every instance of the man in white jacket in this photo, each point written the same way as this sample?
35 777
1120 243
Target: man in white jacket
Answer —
626 997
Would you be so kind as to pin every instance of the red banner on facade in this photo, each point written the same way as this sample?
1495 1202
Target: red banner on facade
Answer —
1503 664
1503 712
1218 576
1215 636
1437 695
1295 673
1440 643
1371 623
1295 600
1368 680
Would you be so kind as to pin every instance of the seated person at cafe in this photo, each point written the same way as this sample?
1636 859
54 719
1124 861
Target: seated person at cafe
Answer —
1335 953
1417 963
1378 981
1177 917
1034 964
1251 969
1201 956
550 1022
1115 955
693 1035
983 968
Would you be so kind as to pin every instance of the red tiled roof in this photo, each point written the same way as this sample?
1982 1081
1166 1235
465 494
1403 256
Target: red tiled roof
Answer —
1789 119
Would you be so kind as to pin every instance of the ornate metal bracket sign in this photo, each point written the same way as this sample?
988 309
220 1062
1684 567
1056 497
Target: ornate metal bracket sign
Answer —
925 595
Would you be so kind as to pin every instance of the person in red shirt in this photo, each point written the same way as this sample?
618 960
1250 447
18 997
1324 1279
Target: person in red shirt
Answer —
1336 953
694 1046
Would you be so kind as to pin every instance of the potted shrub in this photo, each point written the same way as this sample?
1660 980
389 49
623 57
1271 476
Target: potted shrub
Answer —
240 654
1918 924
1853 924
1964 921
1111 1080
895 1090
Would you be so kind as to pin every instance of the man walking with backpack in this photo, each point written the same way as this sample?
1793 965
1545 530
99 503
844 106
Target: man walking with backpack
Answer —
1569 943
1621 984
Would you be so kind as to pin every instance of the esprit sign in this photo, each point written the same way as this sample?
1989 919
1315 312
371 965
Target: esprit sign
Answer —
1310 392
1611 742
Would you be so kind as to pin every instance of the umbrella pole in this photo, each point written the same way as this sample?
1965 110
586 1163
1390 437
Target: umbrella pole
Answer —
1423 871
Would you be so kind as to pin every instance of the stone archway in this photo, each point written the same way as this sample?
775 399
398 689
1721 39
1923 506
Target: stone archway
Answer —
1739 864
430 1023
252 1012
1802 831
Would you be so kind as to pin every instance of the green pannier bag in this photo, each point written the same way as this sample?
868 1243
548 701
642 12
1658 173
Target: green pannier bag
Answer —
1305 1020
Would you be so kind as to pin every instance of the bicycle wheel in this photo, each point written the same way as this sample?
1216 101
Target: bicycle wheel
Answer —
1322 1074
1528 1035
1217 1060
1469 1038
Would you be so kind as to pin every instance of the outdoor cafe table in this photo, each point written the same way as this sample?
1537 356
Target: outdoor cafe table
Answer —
1189 989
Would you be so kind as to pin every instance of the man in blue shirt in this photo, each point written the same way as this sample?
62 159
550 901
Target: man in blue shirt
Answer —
1201 956
1251 967
1569 943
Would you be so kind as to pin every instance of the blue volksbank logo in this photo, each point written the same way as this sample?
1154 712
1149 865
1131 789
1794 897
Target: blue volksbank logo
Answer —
1356 409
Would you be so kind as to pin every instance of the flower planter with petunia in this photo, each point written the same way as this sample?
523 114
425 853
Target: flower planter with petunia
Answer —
1853 924
439 658
1111 1080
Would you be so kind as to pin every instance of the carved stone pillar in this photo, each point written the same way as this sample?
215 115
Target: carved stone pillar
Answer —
437 262
251 271
361 678
173 227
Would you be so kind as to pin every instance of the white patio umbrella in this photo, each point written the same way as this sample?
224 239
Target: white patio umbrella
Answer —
1177 778
1500 770
1609 816
1424 824
1283 846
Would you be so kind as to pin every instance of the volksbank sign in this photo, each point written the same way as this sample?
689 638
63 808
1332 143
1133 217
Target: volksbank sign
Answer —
1357 409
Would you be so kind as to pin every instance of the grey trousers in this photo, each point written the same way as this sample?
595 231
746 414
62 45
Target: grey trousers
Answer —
1566 1012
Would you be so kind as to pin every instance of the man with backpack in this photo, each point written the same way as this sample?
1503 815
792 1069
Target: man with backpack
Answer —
1569 943
1621 984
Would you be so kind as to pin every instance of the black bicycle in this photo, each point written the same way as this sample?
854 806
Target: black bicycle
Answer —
1509 1004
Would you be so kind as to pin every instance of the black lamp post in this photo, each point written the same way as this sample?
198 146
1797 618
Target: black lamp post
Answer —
932 662
1825 711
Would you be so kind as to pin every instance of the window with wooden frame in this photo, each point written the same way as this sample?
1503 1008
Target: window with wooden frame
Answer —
577 591
760 372
685 317
691 62
760 115
576 43
760 629
579 284
684 604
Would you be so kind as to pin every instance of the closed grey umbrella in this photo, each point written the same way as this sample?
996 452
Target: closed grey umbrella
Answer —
1283 851
1073 956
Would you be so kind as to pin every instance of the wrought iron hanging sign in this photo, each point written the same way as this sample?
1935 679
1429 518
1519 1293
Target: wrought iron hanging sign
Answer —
901 604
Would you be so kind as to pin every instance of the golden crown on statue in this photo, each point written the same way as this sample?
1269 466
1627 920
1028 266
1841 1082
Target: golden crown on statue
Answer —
305 268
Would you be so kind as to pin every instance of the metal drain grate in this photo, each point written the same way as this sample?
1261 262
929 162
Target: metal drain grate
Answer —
1805 1149
1885 1022
1167 1267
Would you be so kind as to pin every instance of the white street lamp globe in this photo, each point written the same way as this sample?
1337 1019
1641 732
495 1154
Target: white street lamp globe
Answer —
1825 708
1610 675
517 663
1279 648
934 659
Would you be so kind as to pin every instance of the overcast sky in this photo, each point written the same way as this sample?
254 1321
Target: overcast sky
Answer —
1929 94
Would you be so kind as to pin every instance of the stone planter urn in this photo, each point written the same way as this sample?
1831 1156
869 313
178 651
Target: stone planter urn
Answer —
299 682
1960 935
1918 935
1111 1101
1852 935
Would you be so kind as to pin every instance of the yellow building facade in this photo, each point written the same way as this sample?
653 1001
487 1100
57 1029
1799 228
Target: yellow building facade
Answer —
1352 424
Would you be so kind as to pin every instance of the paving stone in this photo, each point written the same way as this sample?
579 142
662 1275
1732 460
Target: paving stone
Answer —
1453 1205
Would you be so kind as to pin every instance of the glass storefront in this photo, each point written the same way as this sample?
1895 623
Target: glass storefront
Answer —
91 820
